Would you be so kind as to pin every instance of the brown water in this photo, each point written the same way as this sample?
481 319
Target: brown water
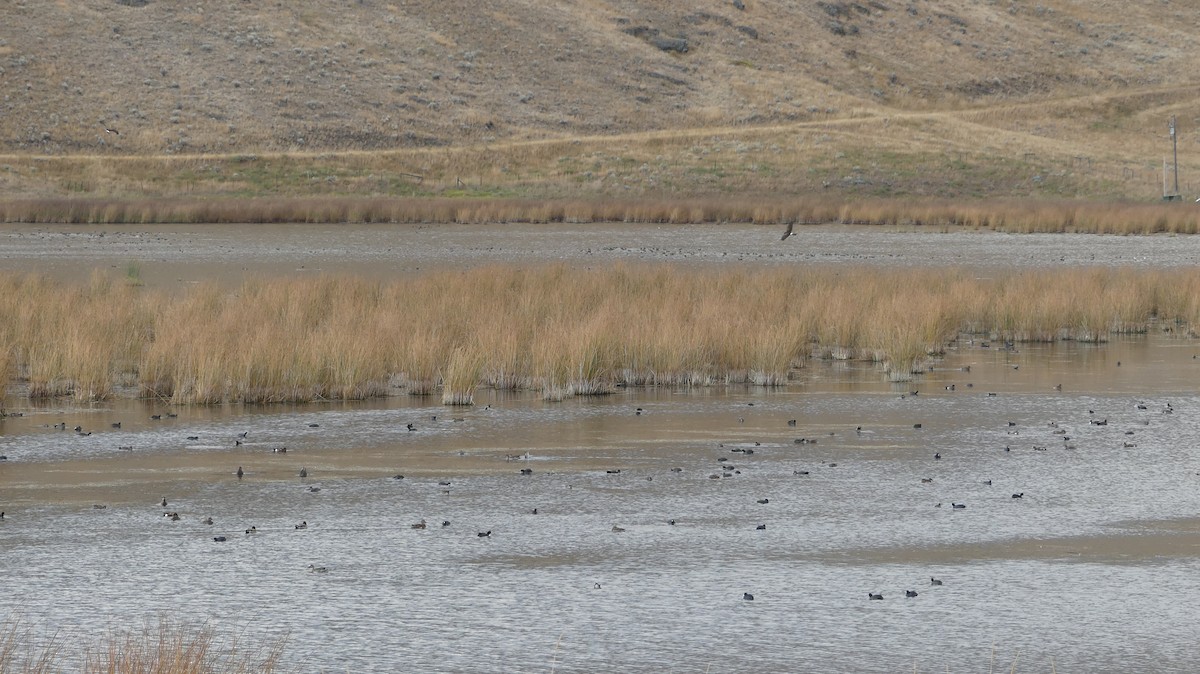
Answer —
1090 569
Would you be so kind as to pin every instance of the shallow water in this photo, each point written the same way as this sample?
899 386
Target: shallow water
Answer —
1088 571
175 255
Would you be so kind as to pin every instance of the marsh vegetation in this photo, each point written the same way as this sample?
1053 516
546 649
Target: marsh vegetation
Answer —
554 329
1018 216
164 648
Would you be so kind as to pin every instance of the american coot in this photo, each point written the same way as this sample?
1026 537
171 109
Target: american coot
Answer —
747 596
910 593
934 581
872 595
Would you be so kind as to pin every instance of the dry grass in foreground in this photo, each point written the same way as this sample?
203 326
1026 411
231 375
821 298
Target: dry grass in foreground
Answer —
1022 216
557 330
163 649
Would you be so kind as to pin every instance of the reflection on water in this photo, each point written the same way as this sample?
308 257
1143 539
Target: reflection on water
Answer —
1088 571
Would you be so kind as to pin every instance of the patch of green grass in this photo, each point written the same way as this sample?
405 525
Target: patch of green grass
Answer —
133 274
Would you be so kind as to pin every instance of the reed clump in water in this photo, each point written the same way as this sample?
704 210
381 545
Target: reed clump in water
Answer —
559 330
461 376
1005 215
20 654
166 648
172 649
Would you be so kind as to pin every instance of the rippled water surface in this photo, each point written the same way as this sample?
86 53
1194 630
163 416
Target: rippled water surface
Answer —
1089 570
656 509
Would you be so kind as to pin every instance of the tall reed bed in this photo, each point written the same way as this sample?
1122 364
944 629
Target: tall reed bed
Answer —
555 329
1096 217
75 344
166 648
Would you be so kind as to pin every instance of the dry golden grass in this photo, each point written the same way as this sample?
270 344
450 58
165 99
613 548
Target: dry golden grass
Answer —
170 649
166 648
462 375
1055 216
555 329
19 655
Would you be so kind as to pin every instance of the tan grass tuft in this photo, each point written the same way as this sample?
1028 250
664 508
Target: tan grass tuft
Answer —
563 331
461 376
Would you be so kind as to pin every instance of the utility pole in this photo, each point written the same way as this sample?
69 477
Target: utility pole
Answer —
1175 195
1175 154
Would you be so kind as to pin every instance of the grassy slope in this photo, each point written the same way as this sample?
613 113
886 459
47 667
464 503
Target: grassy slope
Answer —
537 98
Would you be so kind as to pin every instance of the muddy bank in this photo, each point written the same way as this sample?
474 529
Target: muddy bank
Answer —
1149 541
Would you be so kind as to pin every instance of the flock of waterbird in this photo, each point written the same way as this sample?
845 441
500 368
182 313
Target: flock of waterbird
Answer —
726 469
238 441
1054 428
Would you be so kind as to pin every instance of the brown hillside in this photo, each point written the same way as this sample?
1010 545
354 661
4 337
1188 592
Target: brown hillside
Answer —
895 86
